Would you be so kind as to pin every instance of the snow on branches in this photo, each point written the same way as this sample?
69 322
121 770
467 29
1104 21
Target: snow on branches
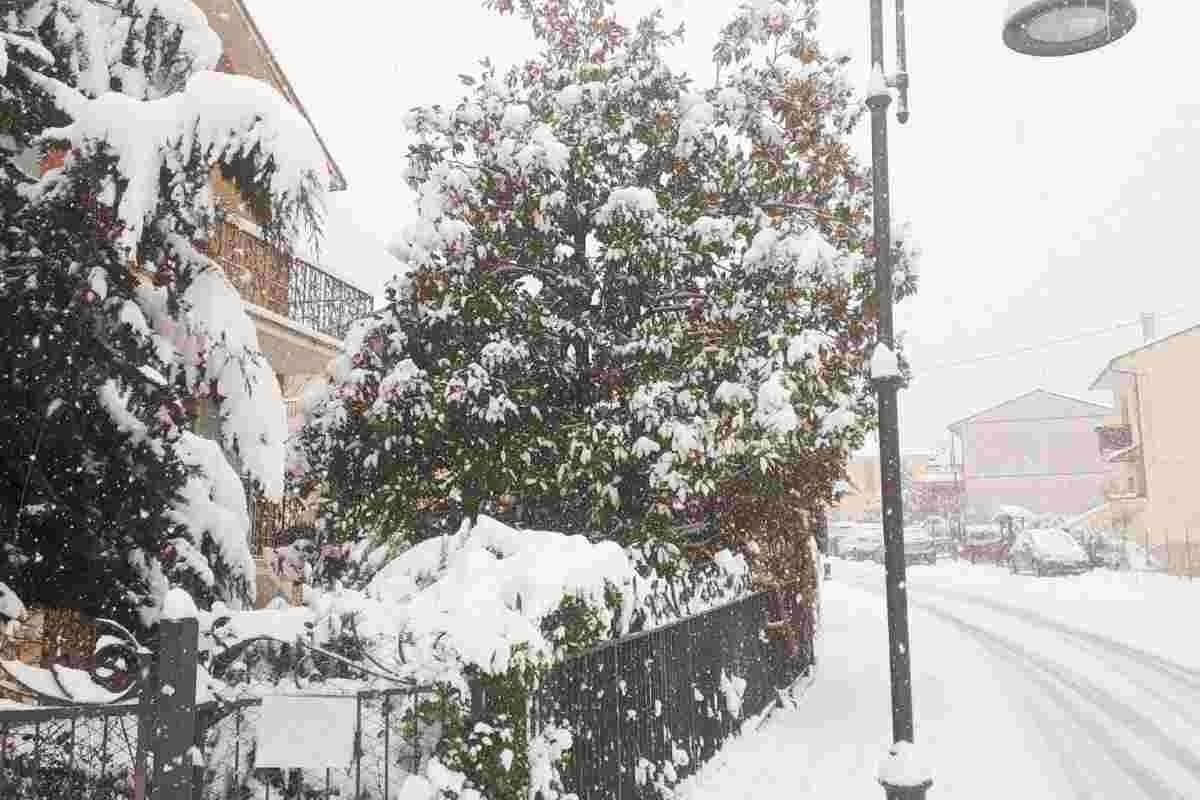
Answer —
679 273
115 127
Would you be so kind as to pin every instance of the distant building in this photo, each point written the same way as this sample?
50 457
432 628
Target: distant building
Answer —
863 500
1037 451
1153 441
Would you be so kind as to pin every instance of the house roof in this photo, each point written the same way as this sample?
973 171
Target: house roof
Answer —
1113 367
1099 409
337 177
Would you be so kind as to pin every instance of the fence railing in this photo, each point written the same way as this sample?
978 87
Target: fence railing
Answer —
645 709
390 743
655 706
68 753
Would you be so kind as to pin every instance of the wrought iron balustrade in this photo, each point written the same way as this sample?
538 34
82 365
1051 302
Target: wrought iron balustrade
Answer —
287 285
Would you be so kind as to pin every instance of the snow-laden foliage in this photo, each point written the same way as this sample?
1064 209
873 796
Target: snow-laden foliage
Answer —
624 291
496 605
112 128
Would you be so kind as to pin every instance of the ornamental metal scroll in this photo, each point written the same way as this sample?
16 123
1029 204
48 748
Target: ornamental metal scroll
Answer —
117 671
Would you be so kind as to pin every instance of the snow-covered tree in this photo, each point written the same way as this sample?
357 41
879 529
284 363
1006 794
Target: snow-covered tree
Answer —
112 126
624 292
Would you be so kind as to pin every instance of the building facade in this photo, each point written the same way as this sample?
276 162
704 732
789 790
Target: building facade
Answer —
1037 451
1153 441
301 308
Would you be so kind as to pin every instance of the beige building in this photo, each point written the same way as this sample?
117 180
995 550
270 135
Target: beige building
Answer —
301 309
863 501
1154 440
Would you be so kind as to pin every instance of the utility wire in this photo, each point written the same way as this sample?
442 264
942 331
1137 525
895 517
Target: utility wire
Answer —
1044 345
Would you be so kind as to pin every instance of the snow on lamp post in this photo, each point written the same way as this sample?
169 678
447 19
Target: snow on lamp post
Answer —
1032 27
1066 27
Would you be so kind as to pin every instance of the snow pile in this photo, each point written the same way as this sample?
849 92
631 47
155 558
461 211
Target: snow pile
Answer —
481 593
905 765
178 605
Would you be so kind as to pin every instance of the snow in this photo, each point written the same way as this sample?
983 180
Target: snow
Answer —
497 585
884 363
284 625
1057 545
631 199
178 605
308 732
11 607
80 689
213 504
877 85
224 116
905 765
1039 688
1017 512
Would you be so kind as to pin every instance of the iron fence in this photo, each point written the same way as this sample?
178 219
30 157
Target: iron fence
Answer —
391 743
69 753
652 707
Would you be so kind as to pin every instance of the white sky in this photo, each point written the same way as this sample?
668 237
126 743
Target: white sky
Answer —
1048 196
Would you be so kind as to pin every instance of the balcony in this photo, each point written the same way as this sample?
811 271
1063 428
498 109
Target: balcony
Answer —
287 285
1114 438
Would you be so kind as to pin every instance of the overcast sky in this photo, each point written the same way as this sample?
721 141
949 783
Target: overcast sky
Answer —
1048 196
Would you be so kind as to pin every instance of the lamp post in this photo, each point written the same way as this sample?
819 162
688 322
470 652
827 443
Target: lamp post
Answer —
1032 27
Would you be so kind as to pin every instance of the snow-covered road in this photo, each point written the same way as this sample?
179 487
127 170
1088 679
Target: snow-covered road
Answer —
1032 688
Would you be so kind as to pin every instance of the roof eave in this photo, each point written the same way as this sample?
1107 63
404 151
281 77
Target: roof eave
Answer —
337 179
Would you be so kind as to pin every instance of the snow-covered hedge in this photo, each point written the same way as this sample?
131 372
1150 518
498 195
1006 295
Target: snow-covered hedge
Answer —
490 604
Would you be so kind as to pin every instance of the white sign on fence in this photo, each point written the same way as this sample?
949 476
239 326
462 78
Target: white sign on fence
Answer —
308 732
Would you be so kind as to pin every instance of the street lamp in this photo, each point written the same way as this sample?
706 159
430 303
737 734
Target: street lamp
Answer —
1032 27
1066 27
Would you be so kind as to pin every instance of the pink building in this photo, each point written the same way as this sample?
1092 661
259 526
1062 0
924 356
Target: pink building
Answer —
1037 451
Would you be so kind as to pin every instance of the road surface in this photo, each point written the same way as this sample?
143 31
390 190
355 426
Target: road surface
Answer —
1013 698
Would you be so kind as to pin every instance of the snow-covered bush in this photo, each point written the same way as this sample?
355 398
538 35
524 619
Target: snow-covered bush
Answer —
623 292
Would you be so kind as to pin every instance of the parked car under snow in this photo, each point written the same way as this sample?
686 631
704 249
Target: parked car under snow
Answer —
918 547
1048 552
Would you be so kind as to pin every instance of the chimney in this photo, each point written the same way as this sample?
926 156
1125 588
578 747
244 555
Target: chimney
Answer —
1148 325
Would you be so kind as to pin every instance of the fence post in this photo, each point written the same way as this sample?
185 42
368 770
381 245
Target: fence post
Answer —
1187 547
172 702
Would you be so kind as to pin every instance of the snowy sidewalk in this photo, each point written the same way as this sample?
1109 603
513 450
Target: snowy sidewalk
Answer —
981 739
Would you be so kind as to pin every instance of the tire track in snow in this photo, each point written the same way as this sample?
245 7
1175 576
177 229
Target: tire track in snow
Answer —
1181 700
1060 685
1188 678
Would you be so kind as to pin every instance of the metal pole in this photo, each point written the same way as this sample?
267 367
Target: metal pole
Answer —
889 420
889 434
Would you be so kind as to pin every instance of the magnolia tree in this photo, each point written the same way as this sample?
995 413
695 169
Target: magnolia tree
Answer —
112 125
629 299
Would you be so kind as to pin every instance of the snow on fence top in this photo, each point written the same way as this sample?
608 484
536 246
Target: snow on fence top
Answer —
497 586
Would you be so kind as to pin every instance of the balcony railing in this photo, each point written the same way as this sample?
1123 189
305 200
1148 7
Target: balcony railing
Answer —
1113 438
287 285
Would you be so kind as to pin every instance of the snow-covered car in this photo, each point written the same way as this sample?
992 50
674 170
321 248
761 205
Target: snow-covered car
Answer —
1048 552
918 547
863 544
